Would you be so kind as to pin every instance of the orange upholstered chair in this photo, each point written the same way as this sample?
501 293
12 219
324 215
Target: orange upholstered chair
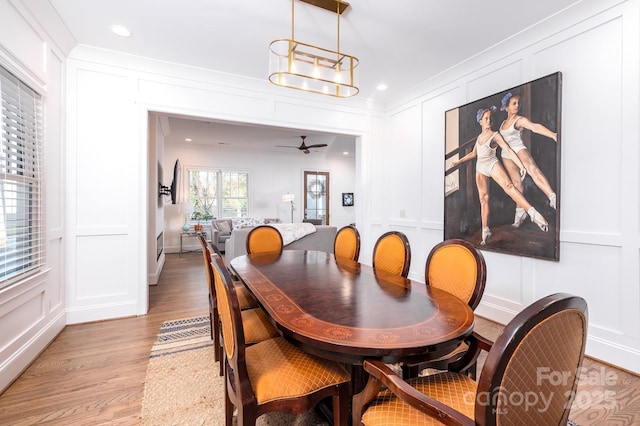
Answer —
264 239
346 244
272 375
246 299
545 340
392 254
459 268
257 323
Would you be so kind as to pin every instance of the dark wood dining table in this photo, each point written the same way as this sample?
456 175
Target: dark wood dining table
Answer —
345 311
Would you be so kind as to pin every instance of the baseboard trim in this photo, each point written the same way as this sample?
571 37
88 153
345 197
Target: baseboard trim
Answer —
21 359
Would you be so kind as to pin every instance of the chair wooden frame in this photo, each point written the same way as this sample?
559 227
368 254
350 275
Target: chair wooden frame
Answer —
406 261
260 230
507 365
338 241
247 304
239 391
412 369
213 307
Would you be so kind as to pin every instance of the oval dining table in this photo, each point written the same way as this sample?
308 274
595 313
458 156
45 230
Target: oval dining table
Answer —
345 311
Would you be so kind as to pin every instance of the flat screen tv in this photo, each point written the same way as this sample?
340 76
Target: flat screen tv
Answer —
172 190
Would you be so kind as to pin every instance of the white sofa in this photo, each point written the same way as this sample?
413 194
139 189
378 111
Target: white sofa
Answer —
321 240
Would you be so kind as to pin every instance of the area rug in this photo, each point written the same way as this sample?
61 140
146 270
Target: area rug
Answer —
182 386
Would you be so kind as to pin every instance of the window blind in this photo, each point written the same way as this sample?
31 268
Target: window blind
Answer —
22 240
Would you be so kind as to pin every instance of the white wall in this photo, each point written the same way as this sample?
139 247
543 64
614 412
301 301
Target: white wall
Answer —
597 50
270 175
109 99
32 312
155 224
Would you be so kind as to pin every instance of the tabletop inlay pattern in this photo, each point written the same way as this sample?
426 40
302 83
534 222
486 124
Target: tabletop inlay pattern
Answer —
286 309
385 337
339 333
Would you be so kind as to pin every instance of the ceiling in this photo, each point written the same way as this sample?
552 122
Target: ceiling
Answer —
256 138
400 43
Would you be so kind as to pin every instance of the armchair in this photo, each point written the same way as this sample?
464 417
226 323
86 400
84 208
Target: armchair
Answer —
221 232
548 336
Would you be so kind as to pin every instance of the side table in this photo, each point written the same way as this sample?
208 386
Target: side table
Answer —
190 234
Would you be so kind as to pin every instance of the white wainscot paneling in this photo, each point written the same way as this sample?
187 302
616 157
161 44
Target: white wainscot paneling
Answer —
103 269
106 150
505 278
402 159
55 261
321 115
54 144
590 196
433 151
495 80
19 316
591 272
203 97
27 325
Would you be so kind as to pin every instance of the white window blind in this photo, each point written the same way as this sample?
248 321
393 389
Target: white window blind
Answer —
22 240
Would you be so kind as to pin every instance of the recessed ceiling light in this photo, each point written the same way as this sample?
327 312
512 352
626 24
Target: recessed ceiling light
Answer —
345 152
187 139
121 30
382 87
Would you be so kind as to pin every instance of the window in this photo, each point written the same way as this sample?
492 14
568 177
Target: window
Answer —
218 193
22 241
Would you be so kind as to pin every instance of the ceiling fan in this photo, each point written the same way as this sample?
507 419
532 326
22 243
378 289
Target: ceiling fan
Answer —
304 147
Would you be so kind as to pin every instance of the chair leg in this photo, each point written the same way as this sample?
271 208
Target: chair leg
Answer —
228 406
223 357
247 415
215 328
211 325
341 405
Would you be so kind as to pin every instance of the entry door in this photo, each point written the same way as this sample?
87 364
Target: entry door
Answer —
316 196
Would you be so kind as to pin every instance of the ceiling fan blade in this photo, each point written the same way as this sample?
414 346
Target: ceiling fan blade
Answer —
318 145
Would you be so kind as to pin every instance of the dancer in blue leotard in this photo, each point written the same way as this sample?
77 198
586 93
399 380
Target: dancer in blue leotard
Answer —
488 166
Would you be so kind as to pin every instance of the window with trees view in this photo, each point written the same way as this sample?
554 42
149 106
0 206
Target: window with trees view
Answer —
218 193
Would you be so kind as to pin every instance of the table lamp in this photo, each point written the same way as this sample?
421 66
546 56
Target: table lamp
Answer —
185 208
289 197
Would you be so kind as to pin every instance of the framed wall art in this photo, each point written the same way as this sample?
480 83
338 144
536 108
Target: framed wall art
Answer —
502 170
347 199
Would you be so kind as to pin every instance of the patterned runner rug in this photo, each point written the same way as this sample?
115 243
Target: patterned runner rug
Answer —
182 386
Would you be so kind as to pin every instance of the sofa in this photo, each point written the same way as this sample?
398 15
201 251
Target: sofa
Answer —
221 228
321 240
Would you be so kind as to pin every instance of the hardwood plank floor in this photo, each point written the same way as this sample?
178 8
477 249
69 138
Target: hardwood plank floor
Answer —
94 373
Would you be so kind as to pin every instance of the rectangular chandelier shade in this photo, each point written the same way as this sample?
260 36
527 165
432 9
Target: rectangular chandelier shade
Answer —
311 68
306 67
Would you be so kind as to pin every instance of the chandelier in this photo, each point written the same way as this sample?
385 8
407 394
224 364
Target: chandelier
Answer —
311 68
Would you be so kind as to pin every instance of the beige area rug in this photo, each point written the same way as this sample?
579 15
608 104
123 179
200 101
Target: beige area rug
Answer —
182 386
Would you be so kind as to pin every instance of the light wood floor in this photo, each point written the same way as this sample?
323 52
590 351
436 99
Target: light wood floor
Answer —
94 373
